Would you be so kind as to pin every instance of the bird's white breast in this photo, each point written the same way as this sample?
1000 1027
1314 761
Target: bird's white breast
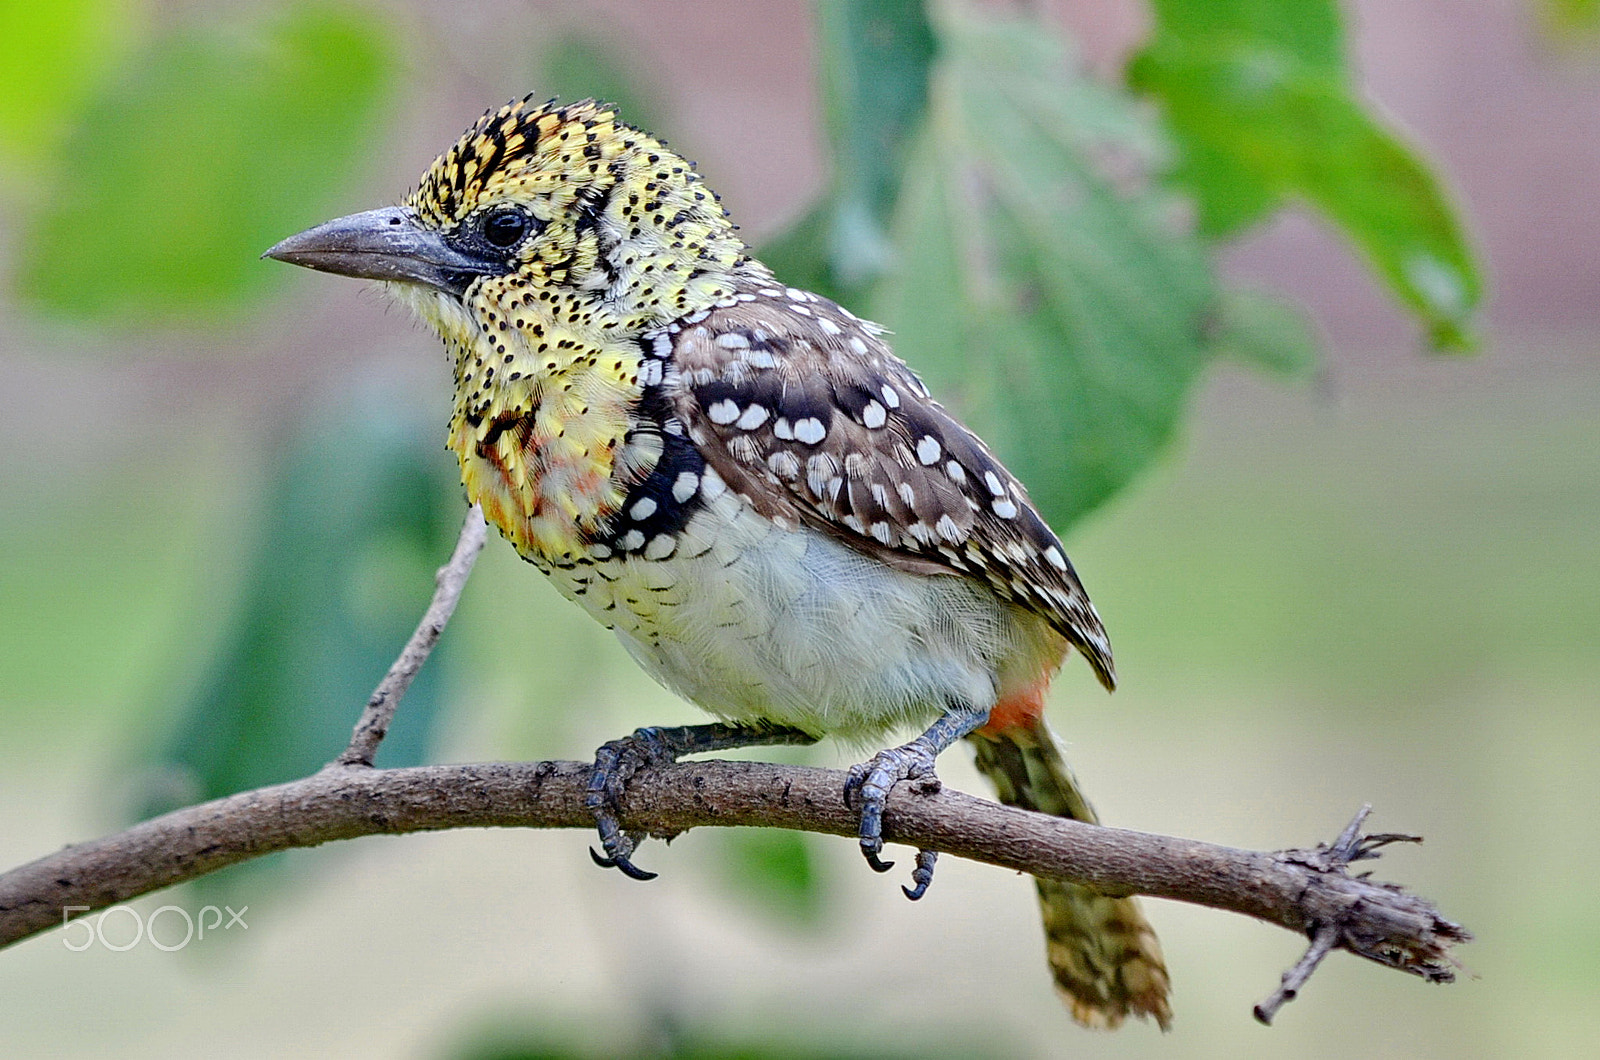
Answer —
752 622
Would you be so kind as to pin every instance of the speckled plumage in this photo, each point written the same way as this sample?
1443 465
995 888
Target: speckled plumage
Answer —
741 479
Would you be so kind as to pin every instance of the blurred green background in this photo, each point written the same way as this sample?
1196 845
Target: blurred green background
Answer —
1206 272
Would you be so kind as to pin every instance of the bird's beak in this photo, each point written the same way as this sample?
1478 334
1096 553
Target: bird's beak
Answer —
388 244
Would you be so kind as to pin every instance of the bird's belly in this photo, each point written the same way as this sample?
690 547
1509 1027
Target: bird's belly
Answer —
753 622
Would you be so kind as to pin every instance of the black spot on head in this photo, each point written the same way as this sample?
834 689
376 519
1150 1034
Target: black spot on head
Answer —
590 204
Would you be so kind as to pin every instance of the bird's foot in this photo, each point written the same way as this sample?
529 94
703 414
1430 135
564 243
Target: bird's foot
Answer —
614 764
869 784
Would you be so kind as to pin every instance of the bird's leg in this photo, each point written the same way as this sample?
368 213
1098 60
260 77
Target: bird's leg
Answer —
871 780
616 762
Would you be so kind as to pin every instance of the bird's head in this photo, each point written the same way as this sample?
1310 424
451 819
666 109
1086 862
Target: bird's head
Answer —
556 216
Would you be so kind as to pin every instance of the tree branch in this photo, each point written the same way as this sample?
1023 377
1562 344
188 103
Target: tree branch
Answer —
451 578
1304 891
1350 846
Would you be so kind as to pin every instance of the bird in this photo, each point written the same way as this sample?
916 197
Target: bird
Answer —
743 481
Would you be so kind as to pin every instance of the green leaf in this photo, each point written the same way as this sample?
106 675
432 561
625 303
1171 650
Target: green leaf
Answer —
52 52
352 524
1309 31
205 150
1257 96
1268 333
1043 289
874 57
1570 19
800 255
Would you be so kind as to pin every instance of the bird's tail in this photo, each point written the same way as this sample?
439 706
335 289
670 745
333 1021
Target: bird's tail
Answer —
1103 953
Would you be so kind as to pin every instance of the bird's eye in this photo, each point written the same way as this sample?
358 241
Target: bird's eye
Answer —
505 228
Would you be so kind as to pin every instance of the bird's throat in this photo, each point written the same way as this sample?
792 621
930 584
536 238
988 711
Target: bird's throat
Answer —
541 418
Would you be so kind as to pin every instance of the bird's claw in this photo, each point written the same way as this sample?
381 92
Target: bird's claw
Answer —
621 863
869 784
922 875
614 763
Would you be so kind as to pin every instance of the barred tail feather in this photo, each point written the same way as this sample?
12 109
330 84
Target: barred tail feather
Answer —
1103 953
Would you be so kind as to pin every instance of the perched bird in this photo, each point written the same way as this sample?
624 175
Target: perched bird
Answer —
743 481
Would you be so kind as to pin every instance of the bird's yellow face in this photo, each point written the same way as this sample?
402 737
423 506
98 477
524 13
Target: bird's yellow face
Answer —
540 247
528 190
583 224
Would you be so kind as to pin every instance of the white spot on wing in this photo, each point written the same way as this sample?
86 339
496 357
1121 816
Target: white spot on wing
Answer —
753 417
642 509
1054 557
928 450
891 397
732 340
723 412
785 465
1005 509
684 485
874 415
819 469
810 430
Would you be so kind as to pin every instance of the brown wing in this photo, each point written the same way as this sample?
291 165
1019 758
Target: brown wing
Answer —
803 409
